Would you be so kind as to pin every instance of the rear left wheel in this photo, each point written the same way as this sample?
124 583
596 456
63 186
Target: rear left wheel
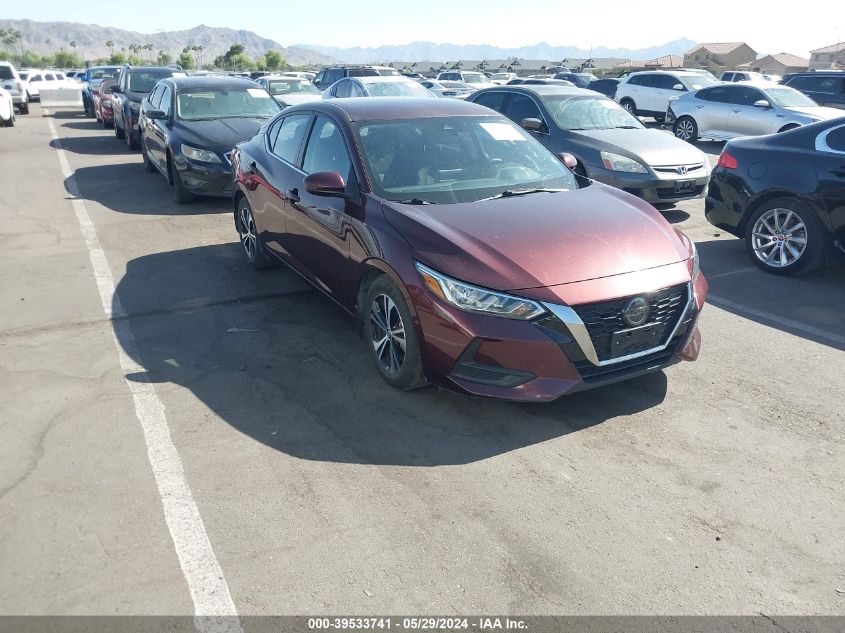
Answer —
686 129
250 240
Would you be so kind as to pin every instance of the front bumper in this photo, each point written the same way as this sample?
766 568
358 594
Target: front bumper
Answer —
205 179
655 189
726 202
547 358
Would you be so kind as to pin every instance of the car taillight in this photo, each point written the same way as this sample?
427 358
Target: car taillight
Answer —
726 160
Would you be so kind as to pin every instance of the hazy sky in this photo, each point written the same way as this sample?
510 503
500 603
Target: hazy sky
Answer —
613 23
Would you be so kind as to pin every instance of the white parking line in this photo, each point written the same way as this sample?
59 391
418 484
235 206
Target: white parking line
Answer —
779 320
214 610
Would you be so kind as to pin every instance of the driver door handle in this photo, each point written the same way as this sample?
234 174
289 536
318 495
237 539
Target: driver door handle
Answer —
838 171
293 195
735 110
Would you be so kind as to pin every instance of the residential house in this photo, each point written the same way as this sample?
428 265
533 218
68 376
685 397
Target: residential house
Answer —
829 57
719 56
660 63
778 64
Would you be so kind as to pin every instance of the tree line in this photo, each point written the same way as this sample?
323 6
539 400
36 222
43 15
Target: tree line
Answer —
137 54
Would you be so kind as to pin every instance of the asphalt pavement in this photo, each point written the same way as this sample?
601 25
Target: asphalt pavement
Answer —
179 433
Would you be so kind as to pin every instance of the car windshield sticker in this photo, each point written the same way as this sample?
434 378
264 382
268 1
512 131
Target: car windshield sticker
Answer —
502 131
258 92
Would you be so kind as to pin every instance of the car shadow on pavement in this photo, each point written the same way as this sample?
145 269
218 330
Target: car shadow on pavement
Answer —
89 124
283 365
810 305
127 188
92 145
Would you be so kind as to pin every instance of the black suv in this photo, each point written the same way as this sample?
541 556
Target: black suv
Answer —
825 87
133 84
328 76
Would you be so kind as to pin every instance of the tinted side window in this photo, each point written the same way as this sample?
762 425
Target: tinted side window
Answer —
636 80
326 150
667 82
49 77
155 96
343 88
650 81
741 95
799 83
826 84
355 90
836 139
289 137
332 76
493 100
165 102
521 107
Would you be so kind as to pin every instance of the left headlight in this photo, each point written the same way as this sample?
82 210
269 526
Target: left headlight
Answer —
203 155
617 162
480 300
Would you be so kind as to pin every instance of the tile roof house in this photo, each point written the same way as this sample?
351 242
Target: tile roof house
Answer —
659 63
829 57
778 64
719 56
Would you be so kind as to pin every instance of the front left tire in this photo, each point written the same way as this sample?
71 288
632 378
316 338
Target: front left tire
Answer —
686 129
391 337
250 239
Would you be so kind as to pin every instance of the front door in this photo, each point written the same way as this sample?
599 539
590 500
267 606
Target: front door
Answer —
746 119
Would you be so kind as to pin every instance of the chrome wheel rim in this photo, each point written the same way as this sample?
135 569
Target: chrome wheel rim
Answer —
388 334
684 130
249 236
628 106
779 238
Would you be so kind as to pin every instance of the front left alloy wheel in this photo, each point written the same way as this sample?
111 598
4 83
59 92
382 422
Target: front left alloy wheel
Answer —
391 337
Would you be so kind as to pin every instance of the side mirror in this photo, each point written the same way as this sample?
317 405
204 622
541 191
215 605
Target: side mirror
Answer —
762 103
155 115
325 183
568 159
678 87
533 125
114 89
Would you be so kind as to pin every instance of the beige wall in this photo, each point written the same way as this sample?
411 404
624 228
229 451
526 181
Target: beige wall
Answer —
774 67
822 61
718 63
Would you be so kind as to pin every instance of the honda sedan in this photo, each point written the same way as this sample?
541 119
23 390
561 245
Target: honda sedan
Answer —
469 254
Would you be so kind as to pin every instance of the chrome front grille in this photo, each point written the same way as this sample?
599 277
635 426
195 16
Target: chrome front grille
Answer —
680 170
603 320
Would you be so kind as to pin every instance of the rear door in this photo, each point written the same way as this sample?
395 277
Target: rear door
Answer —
272 173
664 90
830 168
711 109
744 118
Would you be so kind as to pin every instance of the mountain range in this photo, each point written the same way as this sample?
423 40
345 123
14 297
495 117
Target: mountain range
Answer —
429 51
47 37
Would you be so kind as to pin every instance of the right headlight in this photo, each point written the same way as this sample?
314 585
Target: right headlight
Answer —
480 300
696 265
617 162
202 155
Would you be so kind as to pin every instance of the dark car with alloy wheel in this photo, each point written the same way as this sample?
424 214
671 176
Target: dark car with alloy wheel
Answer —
189 125
469 254
785 194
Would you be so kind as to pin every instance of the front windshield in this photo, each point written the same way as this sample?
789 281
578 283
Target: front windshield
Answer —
589 113
447 160
696 82
397 89
789 98
502 76
289 86
195 104
474 78
145 80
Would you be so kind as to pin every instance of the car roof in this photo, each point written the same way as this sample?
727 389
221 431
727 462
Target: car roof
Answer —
383 79
211 81
682 71
547 89
355 109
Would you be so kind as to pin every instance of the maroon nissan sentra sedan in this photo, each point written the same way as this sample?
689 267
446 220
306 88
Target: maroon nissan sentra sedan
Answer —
471 256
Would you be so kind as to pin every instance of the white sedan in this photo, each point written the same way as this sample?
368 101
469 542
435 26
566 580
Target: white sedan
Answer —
7 108
48 80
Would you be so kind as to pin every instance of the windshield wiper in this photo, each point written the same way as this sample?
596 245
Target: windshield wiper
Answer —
511 193
415 201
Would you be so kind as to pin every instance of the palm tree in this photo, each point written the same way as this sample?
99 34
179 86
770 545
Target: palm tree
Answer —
110 46
199 50
149 48
73 45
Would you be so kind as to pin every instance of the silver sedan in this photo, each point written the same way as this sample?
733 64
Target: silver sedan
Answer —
453 89
731 110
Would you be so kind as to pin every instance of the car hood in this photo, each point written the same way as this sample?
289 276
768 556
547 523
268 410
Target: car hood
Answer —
651 147
541 239
296 99
219 135
817 112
